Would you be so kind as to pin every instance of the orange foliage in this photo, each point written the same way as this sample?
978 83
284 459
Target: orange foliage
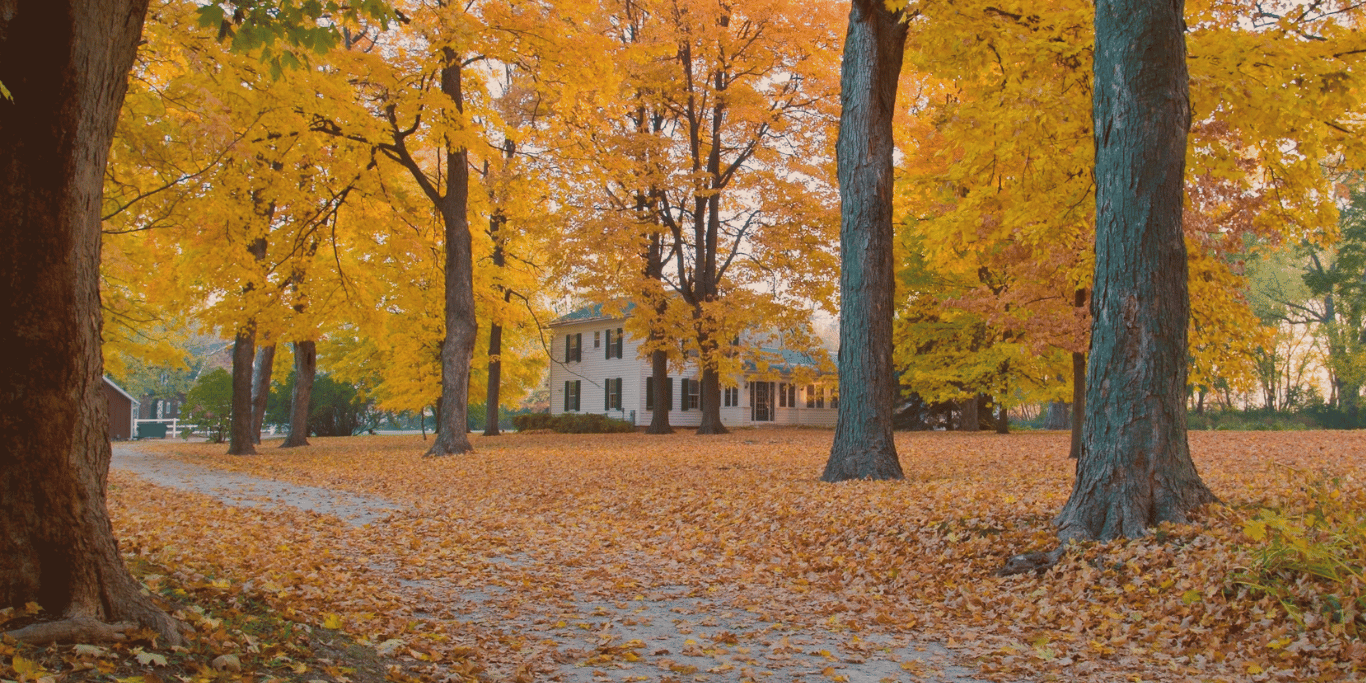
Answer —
743 518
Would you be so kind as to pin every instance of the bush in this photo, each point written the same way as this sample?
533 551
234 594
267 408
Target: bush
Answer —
1251 420
571 423
209 404
335 409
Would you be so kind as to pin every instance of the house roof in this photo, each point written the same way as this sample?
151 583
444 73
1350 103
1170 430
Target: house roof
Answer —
790 359
589 313
119 389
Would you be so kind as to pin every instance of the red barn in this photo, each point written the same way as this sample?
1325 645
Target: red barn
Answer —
123 409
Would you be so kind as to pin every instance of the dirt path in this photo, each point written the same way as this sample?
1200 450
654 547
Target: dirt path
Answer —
680 633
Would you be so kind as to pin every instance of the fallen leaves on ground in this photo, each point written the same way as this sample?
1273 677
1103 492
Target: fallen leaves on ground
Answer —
531 522
231 637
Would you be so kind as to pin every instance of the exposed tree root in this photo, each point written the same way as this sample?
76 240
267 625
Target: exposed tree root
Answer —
1038 562
73 630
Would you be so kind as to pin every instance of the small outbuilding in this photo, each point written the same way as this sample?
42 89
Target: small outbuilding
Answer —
123 411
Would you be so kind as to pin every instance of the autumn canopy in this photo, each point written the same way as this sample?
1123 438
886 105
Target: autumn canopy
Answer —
946 214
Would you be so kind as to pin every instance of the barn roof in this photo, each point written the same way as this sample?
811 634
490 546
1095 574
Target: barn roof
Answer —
119 389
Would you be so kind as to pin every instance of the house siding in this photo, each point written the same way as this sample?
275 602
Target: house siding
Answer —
593 368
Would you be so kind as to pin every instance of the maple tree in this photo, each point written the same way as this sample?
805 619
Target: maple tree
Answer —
1135 469
66 68
714 195
977 192
863 446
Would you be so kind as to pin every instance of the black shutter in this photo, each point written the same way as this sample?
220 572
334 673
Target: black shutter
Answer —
683 404
566 396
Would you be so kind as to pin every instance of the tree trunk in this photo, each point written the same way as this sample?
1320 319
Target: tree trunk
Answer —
1136 470
663 399
301 400
260 389
239 430
969 420
864 447
711 403
1078 403
66 64
458 347
1002 420
495 376
1058 415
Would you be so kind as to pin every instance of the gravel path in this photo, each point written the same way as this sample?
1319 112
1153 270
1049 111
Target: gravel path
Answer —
678 635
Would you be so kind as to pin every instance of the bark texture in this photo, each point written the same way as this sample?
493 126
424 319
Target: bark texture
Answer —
711 403
659 370
969 420
240 441
301 400
260 389
457 350
864 447
1135 470
66 64
1058 416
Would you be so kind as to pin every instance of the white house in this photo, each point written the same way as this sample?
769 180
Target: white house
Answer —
595 367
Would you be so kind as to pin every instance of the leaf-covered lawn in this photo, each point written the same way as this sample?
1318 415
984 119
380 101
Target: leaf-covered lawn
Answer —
536 527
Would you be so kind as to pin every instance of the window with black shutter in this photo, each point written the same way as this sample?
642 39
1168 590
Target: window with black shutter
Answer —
571 395
612 391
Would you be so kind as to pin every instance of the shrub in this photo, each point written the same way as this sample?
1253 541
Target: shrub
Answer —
209 404
572 423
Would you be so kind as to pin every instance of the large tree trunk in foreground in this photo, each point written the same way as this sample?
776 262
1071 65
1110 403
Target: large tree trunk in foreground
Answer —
66 64
458 348
1136 470
301 400
864 447
243 355
260 389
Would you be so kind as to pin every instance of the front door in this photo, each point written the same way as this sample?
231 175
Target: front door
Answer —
761 401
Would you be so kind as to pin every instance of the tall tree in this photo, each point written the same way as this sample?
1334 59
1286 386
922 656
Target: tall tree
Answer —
66 66
874 45
1135 470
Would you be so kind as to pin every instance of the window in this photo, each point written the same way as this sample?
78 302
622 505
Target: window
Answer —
597 339
730 397
692 394
650 393
612 392
571 394
787 395
573 347
815 396
614 343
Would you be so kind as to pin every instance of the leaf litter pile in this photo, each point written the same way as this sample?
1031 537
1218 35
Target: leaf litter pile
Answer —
541 556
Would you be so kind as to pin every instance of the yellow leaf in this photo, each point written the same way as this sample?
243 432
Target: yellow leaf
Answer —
332 621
